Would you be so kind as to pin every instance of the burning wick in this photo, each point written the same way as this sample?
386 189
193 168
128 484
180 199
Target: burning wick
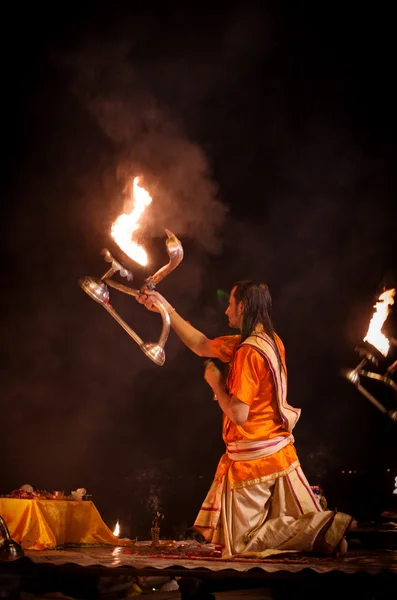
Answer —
374 334
127 224
116 531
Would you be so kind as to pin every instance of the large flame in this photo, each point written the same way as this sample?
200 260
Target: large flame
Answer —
374 334
116 531
126 224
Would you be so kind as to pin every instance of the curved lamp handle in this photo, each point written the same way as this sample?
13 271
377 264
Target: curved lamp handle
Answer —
175 252
98 290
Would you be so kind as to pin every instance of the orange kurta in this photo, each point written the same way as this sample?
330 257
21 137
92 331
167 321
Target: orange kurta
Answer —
250 379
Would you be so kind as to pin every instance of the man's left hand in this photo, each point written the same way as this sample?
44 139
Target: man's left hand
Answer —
212 375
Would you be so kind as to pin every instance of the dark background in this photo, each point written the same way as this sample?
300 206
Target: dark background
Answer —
266 135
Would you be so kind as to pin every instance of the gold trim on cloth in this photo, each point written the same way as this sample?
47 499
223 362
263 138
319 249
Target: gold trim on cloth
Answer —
337 530
239 484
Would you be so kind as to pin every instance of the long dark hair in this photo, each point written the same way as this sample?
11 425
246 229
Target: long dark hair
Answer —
257 303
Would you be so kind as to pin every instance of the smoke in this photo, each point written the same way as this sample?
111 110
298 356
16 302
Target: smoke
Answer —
150 482
153 500
147 139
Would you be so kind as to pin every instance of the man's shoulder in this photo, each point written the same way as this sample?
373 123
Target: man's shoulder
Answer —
263 343
224 346
229 338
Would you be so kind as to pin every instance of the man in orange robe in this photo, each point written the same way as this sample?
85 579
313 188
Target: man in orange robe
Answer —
260 501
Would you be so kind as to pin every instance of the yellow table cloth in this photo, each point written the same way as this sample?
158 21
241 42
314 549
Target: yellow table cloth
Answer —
44 524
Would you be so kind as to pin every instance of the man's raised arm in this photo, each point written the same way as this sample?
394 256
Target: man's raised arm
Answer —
194 339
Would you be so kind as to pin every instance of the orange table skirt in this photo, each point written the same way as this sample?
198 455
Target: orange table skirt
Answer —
44 524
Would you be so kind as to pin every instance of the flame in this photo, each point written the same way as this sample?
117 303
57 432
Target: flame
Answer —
127 224
116 531
374 334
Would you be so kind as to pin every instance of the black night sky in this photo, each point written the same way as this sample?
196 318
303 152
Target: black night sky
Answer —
267 136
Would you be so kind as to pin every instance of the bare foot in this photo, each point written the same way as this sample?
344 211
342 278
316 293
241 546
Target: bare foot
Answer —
341 549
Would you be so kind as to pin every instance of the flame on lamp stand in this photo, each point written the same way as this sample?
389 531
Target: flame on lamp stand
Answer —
374 334
378 340
127 224
116 531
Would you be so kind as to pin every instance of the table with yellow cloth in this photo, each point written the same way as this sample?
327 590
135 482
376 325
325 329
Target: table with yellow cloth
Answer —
43 524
